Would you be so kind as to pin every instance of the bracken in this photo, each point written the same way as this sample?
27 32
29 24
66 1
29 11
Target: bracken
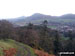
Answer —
10 52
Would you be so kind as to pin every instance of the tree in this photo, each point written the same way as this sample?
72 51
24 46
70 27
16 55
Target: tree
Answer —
6 29
45 40
29 35
30 26
57 43
70 45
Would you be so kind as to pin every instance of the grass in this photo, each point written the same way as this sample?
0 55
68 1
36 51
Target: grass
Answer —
31 50
52 27
1 53
18 46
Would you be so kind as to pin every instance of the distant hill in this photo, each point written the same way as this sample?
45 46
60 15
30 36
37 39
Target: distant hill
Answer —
37 18
20 21
68 16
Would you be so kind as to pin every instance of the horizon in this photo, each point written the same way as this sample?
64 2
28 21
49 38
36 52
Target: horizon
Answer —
33 14
18 8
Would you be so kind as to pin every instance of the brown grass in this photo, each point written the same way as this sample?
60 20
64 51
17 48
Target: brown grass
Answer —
10 52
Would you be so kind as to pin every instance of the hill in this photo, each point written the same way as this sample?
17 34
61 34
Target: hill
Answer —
19 48
37 18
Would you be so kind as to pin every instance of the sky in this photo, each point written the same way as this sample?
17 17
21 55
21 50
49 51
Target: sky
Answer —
17 8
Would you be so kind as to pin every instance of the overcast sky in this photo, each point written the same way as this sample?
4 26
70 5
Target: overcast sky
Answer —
17 8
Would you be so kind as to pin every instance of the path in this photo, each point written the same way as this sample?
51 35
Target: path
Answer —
19 53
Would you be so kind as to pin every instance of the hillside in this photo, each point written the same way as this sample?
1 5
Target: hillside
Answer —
18 49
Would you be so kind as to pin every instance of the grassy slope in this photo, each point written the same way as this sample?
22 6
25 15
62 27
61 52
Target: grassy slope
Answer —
23 50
